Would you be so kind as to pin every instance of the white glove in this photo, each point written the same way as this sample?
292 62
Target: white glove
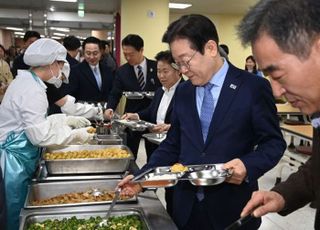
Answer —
77 122
99 115
78 109
81 136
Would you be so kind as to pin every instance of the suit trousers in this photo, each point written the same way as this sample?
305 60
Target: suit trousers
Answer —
199 218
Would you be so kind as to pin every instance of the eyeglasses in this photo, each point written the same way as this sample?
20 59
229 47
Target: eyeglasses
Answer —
183 64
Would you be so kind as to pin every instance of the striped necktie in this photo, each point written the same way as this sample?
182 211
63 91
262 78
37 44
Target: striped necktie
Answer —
141 80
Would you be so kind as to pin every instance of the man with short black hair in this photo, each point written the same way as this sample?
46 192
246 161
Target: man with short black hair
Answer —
18 63
138 74
91 80
72 44
107 56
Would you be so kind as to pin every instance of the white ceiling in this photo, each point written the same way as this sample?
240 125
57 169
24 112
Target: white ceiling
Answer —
98 13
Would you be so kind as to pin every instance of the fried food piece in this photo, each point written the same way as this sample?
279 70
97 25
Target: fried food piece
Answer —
111 153
177 167
91 130
78 197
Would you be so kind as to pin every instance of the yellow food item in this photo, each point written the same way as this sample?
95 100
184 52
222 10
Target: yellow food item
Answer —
91 130
78 197
97 153
177 167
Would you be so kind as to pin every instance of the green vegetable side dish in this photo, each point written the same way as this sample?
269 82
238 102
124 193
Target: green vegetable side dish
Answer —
131 222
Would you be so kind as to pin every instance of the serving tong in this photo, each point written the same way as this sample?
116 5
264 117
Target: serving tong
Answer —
114 200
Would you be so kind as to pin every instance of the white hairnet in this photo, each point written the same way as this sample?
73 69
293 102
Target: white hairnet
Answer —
43 52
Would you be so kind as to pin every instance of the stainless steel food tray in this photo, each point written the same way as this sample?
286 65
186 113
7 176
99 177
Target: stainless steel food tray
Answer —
93 165
155 138
133 95
139 125
40 191
198 175
59 215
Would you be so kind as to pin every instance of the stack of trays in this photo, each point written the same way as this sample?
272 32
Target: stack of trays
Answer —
198 175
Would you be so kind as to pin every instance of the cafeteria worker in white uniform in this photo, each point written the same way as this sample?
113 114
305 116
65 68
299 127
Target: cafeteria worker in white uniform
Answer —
24 126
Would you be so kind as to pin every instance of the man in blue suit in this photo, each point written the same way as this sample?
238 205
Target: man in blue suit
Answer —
91 80
243 131
127 79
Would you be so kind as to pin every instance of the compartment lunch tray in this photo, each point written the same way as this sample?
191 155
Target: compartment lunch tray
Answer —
135 95
139 125
198 175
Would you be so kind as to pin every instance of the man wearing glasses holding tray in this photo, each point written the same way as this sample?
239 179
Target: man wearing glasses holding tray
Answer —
221 115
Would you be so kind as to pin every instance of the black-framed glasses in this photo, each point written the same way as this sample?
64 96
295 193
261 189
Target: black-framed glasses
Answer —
183 64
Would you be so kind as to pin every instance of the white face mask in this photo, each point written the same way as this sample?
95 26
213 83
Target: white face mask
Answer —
55 80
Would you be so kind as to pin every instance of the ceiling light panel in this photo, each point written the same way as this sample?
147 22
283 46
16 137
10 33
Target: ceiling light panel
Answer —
63 0
179 5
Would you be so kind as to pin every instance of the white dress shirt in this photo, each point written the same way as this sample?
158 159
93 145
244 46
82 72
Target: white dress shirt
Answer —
165 102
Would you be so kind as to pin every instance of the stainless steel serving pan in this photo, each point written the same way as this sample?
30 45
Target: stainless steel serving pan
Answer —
40 191
107 139
43 176
36 217
92 165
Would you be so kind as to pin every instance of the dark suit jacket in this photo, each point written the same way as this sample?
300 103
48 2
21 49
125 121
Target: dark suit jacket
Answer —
83 85
72 61
244 125
18 63
303 186
126 80
150 113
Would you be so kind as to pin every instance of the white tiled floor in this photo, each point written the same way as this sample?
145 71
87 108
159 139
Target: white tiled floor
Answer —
300 219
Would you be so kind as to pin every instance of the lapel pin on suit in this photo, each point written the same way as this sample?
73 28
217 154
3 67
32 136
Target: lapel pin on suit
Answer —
232 86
